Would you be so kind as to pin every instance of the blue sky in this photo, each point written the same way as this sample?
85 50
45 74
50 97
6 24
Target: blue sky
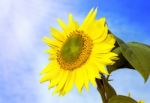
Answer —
24 22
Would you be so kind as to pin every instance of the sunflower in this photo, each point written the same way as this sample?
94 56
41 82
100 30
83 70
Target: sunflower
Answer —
141 101
78 53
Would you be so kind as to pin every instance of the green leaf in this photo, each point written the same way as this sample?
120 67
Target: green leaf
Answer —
138 55
142 52
121 99
122 63
140 44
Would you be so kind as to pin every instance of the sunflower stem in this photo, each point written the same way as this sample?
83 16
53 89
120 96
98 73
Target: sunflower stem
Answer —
105 89
101 89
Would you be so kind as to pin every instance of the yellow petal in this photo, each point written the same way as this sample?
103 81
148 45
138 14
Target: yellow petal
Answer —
52 57
87 18
79 79
104 61
101 22
50 51
62 82
102 35
50 75
51 66
102 69
86 79
110 39
70 81
73 25
57 34
105 58
56 80
52 43
98 67
98 30
109 55
102 48
87 24
92 74
62 24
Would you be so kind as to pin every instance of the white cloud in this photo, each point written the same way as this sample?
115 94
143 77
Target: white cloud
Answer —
22 24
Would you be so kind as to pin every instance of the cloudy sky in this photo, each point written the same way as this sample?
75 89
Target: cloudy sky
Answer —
24 22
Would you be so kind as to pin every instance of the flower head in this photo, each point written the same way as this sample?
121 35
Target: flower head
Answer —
78 53
140 101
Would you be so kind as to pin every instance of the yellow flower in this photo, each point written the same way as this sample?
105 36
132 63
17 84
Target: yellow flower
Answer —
78 53
141 101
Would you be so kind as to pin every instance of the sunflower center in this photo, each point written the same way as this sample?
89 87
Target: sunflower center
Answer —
75 50
72 48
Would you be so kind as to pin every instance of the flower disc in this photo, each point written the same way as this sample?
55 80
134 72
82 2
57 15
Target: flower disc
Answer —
75 51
